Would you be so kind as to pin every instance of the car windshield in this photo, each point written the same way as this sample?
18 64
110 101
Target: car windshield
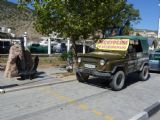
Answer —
112 44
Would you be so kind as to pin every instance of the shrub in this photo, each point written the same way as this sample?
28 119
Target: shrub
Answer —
65 55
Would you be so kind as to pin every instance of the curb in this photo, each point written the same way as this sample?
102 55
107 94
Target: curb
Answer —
2 91
148 112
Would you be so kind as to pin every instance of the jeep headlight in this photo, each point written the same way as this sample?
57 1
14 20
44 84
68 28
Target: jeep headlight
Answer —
79 60
102 62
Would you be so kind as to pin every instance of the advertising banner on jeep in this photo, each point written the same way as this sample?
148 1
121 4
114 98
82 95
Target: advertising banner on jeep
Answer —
113 44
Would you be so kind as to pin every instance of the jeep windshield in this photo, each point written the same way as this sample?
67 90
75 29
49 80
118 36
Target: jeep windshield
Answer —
112 45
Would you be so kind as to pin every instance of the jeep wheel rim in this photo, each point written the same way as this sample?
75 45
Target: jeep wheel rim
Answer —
145 72
119 79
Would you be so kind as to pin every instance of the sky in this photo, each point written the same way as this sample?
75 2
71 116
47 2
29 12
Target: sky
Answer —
149 13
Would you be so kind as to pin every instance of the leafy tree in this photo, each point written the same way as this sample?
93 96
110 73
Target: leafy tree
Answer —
75 18
122 20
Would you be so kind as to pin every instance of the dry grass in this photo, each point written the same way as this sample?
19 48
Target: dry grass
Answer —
51 61
3 60
43 61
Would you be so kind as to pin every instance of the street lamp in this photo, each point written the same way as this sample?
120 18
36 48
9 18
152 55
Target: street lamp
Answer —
25 39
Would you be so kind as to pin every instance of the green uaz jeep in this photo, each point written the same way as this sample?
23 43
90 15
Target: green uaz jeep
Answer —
115 58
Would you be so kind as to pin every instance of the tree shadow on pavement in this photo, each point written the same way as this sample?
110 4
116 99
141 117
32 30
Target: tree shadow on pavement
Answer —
40 74
104 83
157 72
98 82
131 79
36 75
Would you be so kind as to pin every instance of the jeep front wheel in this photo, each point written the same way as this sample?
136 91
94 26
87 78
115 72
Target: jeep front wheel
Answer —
143 75
81 77
118 80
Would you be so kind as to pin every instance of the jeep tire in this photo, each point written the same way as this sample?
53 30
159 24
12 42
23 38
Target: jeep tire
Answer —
118 81
144 74
81 77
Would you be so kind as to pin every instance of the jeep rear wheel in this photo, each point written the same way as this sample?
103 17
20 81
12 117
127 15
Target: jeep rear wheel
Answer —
81 77
118 80
144 74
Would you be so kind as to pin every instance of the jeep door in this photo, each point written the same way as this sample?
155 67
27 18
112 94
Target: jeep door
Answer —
140 56
131 59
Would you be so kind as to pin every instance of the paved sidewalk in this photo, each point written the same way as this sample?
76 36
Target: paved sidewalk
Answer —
45 76
156 116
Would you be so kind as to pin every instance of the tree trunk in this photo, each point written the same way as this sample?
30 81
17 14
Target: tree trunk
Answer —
74 50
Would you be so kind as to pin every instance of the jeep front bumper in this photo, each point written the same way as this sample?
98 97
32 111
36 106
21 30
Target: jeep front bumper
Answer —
94 72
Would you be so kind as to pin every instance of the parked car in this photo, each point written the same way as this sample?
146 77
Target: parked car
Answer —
37 48
88 49
59 47
54 41
154 60
114 59
4 47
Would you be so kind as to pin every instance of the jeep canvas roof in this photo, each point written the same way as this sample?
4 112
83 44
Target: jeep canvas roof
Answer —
143 40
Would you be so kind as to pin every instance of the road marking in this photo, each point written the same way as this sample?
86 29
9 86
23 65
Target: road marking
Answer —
72 101
107 117
97 112
82 106
62 97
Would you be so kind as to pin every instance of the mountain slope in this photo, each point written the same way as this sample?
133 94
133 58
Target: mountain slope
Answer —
19 21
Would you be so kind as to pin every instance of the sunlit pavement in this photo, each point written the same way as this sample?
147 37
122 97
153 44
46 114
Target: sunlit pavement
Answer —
81 101
43 76
156 116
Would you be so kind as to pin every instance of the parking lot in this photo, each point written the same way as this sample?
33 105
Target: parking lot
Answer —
92 100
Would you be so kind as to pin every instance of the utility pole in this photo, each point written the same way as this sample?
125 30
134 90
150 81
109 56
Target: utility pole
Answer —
25 39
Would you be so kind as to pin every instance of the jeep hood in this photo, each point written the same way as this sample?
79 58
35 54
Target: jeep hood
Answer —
104 55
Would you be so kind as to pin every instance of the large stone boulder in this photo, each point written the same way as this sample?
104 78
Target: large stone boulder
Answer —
15 52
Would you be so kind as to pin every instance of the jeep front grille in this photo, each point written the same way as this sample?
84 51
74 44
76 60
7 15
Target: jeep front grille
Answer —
90 60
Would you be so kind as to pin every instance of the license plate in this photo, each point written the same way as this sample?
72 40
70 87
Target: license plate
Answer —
89 66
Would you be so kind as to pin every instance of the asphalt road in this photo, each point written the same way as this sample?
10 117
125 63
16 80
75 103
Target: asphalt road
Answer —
81 101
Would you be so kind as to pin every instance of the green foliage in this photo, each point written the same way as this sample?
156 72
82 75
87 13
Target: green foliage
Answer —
74 18
66 55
